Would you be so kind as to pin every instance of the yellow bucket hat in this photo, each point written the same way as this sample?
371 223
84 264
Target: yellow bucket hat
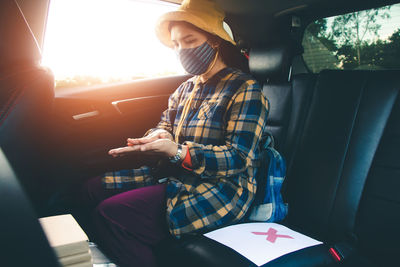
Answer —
204 14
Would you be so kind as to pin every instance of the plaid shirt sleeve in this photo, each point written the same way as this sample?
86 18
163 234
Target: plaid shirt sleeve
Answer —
245 125
128 179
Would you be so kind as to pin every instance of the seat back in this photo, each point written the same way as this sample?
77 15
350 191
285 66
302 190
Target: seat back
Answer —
26 97
349 140
378 217
23 242
288 96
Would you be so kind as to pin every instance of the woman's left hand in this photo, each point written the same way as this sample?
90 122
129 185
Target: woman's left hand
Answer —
162 147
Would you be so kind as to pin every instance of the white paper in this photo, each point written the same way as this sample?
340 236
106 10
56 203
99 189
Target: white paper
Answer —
261 242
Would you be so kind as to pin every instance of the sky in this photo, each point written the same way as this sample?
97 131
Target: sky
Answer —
106 39
391 24
388 26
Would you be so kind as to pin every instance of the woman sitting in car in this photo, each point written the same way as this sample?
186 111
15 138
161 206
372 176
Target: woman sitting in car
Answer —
209 135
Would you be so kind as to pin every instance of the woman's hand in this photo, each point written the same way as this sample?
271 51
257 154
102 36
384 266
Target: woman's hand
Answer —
161 146
157 134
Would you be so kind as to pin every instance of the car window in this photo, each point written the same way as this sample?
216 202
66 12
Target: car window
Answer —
368 39
91 42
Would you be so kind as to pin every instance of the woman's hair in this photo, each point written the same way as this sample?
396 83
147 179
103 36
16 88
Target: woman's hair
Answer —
229 53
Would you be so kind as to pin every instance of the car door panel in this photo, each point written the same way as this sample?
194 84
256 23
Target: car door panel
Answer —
90 121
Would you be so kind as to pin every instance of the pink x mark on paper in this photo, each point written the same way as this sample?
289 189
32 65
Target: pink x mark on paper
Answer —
271 235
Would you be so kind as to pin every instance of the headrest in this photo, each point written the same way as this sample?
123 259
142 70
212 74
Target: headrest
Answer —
18 46
274 62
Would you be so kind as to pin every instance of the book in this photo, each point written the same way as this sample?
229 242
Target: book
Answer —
76 258
65 235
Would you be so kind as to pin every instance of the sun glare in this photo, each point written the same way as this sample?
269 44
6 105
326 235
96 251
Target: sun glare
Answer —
110 40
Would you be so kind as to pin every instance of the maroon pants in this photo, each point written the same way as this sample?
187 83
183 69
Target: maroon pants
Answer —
127 225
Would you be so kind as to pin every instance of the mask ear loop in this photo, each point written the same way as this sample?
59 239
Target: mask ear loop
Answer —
212 63
188 103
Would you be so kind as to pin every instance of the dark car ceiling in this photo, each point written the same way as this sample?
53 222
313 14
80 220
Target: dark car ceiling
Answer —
319 8
264 21
281 7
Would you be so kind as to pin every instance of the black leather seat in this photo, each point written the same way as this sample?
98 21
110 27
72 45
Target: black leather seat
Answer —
351 133
26 97
23 242
348 115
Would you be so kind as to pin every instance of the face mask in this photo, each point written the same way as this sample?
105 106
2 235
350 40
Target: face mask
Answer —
196 60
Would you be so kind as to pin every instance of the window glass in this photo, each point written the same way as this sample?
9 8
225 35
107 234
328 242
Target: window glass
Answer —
368 39
101 41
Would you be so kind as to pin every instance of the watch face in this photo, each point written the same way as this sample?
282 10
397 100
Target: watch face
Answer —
178 155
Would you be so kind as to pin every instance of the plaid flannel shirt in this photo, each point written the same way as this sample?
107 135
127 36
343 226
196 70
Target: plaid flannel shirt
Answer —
223 129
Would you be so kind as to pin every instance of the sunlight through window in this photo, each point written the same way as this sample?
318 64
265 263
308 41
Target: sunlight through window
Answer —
100 41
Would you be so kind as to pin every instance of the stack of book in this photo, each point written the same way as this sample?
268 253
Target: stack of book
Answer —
68 240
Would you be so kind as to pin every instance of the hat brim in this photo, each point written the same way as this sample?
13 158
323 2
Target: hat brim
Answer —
164 35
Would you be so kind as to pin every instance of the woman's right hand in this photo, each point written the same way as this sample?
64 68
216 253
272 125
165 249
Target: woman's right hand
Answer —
155 135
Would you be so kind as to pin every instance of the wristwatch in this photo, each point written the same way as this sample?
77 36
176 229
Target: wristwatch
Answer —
178 155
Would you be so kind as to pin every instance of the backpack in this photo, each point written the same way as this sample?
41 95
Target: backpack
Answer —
268 205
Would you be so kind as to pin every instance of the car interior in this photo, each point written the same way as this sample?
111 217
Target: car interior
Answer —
338 130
